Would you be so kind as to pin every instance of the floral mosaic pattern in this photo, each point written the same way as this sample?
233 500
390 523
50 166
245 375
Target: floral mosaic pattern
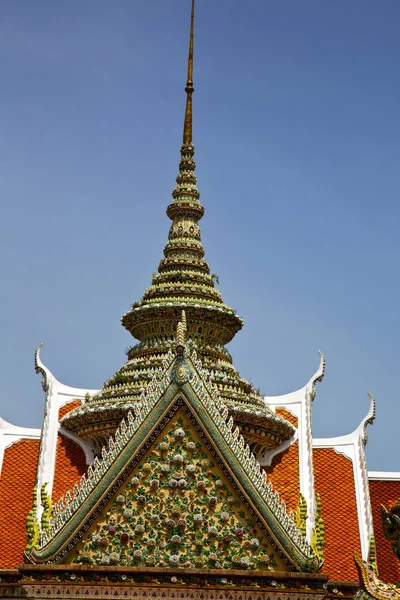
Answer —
178 511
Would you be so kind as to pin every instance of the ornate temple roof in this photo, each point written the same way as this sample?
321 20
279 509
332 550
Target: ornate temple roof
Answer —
181 453
176 498
183 281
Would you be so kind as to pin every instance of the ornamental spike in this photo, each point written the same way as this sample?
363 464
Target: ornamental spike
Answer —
189 89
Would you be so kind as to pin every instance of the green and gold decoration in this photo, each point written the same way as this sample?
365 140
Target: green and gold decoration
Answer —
177 510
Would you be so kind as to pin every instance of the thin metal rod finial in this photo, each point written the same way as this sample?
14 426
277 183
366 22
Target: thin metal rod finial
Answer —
189 89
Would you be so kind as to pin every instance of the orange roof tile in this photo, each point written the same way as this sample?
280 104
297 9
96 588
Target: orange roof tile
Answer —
67 408
386 493
285 414
284 475
70 466
18 478
334 481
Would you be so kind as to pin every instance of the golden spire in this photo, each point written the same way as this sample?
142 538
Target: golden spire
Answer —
189 89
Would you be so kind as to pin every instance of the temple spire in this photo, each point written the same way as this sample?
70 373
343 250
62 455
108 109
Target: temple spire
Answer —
189 89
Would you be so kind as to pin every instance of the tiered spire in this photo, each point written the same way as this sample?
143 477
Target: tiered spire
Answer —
183 282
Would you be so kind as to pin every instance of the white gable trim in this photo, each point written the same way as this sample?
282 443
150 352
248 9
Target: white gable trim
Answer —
299 404
57 395
383 476
353 447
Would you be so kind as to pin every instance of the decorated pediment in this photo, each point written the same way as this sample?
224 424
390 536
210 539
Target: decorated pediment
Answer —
178 487
178 509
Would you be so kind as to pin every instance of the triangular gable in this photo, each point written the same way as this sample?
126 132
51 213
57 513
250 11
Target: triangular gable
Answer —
179 507
181 386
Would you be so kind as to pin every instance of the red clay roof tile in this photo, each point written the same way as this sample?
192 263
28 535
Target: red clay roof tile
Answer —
70 466
334 481
67 408
284 471
18 478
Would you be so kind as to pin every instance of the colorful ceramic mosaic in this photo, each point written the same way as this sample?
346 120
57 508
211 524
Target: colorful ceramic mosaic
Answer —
178 510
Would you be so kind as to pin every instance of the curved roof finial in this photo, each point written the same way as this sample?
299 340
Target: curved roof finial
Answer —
189 89
40 368
369 418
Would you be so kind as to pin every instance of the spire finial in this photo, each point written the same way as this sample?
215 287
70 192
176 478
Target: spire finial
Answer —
189 89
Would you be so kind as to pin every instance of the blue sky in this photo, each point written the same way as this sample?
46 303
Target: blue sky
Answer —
297 140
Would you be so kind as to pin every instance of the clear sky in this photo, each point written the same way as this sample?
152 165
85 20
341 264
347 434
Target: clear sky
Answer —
297 136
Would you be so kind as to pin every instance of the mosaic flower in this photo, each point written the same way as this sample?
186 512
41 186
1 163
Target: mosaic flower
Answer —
179 434
137 553
121 499
181 523
178 459
105 559
182 484
165 468
224 516
154 518
174 560
150 561
198 518
176 539
244 562
239 532
173 483
128 513
142 499
254 543
190 469
154 484
170 523
139 529
191 446
135 481
212 530
114 558
124 538
164 446
112 529
147 468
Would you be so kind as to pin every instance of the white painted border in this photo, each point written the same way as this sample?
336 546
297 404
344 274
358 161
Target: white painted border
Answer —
299 404
383 476
57 395
353 447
